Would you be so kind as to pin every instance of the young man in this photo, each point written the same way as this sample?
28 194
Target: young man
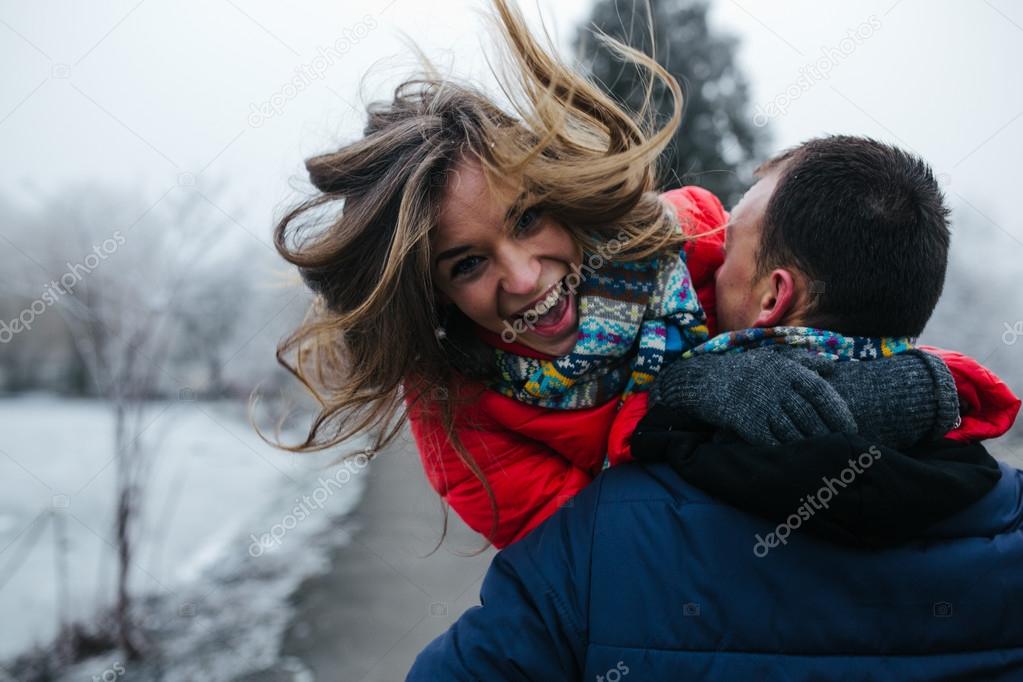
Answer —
839 556
841 233
838 251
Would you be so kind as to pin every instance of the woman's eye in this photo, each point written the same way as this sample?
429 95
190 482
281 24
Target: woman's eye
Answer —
465 266
527 220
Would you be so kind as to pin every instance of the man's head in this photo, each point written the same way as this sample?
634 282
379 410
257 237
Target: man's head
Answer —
841 233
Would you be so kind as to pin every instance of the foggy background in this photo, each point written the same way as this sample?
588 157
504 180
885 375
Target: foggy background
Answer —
150 146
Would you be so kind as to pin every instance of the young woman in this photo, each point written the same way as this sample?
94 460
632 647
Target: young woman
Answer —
515 281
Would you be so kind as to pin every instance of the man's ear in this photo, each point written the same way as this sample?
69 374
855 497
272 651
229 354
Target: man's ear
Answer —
778 298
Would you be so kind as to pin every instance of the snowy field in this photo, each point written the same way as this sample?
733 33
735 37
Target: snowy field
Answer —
230 527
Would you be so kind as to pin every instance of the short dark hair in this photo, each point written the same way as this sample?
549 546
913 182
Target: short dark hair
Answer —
866 222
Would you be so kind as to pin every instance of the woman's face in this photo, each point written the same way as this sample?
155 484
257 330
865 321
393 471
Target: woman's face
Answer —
496 266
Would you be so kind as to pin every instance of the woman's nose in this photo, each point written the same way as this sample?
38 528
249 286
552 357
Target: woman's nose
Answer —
521 272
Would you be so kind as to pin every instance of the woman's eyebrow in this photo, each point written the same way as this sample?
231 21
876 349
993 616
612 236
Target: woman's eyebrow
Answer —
451 253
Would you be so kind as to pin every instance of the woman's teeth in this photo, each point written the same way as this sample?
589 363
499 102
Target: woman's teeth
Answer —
545 305
549 302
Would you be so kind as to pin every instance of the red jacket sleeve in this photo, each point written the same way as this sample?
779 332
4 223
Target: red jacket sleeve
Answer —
529 480
987 406
628 417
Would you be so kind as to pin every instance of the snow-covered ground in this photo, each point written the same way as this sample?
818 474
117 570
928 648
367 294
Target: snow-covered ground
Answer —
230 526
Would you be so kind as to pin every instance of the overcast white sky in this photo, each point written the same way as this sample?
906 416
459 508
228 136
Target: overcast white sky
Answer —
156 95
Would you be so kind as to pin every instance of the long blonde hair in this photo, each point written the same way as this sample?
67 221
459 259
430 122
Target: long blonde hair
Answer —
362 243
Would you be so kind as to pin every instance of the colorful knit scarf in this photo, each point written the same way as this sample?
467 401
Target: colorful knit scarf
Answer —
633 317
829 344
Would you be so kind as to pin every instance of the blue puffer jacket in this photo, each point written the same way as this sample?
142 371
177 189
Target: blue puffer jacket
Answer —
644 577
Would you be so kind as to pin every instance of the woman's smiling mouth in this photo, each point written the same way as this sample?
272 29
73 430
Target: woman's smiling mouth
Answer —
550 315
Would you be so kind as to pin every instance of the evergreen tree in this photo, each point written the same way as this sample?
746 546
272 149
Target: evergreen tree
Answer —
718 145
